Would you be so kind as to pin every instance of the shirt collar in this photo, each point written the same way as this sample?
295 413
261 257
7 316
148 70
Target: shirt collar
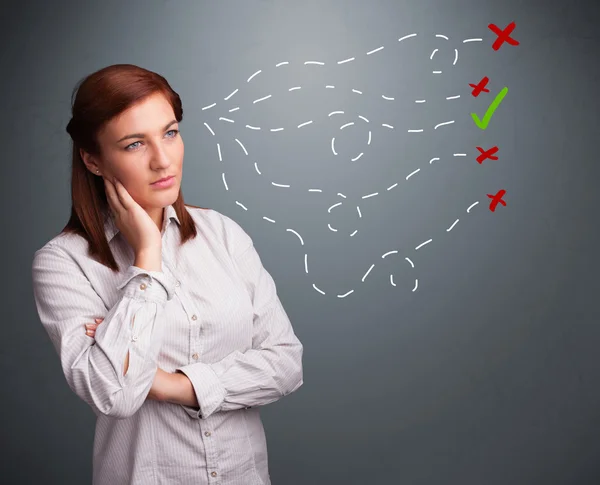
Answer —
111 229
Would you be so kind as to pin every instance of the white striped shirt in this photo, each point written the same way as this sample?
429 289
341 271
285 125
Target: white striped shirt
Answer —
212 312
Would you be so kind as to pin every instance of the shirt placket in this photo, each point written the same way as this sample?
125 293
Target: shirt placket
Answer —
194 352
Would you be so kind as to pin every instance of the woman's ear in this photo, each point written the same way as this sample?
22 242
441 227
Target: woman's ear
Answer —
89 162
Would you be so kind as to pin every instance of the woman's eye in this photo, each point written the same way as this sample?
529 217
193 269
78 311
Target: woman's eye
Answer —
170 131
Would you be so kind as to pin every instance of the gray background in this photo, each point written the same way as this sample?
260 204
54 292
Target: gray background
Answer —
487 373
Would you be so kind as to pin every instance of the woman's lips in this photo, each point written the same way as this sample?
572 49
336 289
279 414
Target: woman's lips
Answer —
164 183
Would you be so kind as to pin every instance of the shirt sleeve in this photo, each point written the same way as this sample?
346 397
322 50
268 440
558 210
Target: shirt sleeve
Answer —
93 368
271 369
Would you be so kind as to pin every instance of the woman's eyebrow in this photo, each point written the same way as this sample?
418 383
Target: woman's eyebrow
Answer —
141 135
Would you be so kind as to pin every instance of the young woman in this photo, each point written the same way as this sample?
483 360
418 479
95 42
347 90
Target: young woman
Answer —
186 336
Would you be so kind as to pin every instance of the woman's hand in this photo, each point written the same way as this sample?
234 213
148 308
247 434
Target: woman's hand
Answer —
165 384
90 328
140 231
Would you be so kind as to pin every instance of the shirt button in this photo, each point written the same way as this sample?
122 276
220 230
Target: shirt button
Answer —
177 283
134 338
194 317
143 286
207 433
195 356
213 474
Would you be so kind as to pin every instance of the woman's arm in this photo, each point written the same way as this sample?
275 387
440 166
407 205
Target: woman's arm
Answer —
272 368
95 369
179 390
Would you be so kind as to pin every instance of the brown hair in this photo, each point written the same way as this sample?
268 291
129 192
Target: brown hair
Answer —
100 97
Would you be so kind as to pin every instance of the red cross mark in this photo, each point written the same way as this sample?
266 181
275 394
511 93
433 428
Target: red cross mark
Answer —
485 154
497 199
480 87
503 35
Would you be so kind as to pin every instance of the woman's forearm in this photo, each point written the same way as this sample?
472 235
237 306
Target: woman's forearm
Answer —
182 391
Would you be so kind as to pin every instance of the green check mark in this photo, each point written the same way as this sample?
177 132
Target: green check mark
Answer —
482 124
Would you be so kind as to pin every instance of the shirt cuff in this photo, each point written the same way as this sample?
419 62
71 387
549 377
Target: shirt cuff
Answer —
209 391
158 285
192 412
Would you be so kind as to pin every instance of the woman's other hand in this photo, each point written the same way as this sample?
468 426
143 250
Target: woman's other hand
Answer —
90 328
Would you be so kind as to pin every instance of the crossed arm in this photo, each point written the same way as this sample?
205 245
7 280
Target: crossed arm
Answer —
272 368
174 387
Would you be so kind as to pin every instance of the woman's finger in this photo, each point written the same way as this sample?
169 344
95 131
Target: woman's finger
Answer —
124 197
112 197
90 328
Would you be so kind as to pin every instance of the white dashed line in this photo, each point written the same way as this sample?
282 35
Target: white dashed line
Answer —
343 126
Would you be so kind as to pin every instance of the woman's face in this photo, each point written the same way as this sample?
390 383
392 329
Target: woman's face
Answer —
139 147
